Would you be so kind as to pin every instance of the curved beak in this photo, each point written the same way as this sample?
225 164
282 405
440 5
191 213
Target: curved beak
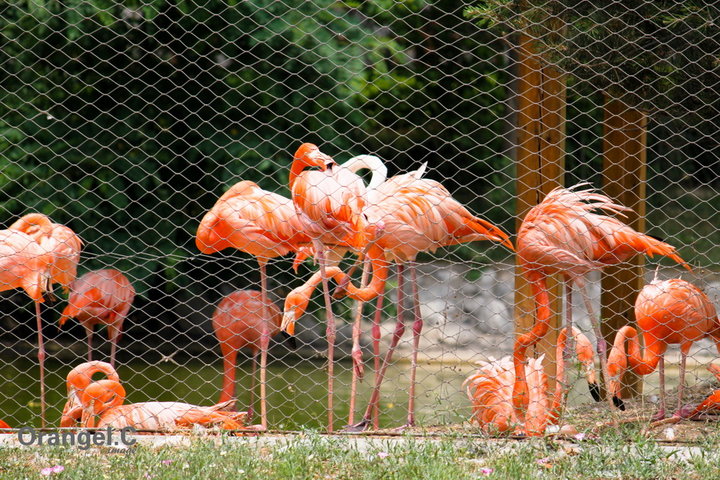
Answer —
288 321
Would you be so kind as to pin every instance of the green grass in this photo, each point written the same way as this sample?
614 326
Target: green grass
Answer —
313 456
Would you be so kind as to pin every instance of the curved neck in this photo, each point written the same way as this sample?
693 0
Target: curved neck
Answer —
372 163
641 362
99 397
34 224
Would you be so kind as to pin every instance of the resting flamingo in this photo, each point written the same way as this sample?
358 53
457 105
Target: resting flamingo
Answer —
239 321
490 390
563 235
24 264
415 215
77 380
667 312
105 398
261 223
100 297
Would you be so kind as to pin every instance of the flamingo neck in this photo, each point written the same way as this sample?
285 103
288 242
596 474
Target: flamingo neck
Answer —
372 163
640 361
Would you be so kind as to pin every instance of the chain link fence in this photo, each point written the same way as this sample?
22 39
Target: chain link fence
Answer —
126 121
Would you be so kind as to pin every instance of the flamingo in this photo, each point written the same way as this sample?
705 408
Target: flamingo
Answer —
563 235
490 390
104 398
667 312
24 264
239 322
258 222
77 380
4 424
712 402
100 296
330 205
413 215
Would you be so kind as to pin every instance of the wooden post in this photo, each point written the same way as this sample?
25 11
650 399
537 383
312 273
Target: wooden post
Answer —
624 176
540 168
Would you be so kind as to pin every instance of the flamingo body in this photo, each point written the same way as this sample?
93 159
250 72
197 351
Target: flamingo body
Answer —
100 297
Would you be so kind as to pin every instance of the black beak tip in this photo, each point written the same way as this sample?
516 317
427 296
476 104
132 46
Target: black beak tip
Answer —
291 340
595 391
617 401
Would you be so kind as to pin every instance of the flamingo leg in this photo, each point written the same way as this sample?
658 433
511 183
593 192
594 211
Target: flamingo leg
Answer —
662 409
568 351
264 345
601 344
41 361
376 354
330 332
417 329
253 375
357 373
397 334
681 385
229 363
89 333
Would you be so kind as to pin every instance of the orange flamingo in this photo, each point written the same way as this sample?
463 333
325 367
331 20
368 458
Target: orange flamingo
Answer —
24 264
104 398
563 235
261 223
330 205
712 402
77 380
239 321
100 297
490 390
411 215
667 312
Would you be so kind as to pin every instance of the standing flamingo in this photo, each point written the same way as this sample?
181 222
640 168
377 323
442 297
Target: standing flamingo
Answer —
563 235
104 398
239 321
100 297
490 390
261 223
415 215
64 248
24 264
330 205
667 312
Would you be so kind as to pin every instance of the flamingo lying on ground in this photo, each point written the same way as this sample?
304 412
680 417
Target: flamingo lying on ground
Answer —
239 322
490 390
263 224
100 297
77 380
104 398
667 312
563 235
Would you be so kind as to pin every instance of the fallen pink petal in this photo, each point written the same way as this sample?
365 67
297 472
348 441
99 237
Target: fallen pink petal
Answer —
46 471
166 462
580 436
487 471
57 469
383 454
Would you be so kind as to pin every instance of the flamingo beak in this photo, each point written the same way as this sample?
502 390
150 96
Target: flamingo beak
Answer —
288 321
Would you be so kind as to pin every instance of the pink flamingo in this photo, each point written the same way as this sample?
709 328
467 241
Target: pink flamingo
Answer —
239 321
100 297
263 224
667 312
563 235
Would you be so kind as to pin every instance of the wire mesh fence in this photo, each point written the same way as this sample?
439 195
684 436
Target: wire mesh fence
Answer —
127 121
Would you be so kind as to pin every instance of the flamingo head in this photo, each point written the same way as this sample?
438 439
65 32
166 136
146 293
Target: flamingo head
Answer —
309 155
100 397
34 224
295 305
617 364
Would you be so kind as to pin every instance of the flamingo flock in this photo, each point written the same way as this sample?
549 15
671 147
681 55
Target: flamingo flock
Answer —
332 213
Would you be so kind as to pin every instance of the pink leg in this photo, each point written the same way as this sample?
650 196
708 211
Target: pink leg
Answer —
89 332
376 354
264 345
681 385
253 374
417 329
330 332
397 334
661 372
41 360
356 355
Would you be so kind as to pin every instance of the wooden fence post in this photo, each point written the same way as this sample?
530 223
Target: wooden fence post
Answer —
540 168
624 177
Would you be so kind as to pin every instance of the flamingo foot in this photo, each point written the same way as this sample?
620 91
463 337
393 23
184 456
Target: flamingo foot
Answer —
404 428
362 426
595 393
659 415
618 402
685 412
358 363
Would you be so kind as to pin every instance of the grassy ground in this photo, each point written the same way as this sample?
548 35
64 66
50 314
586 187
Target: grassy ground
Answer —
619 454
